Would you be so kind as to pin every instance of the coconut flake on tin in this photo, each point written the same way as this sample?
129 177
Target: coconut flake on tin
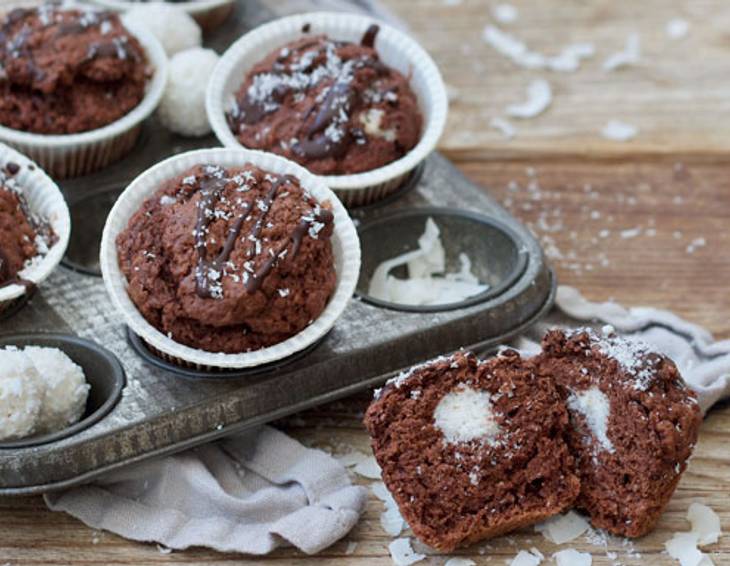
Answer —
539 97
563 528
427 283
617 130
402 553
629 55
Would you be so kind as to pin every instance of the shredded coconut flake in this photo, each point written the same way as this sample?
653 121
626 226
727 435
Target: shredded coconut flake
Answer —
539 97
563 528
571 557
503 126
402 553
677 28
505 13
619 131
630 54
368 468
525 558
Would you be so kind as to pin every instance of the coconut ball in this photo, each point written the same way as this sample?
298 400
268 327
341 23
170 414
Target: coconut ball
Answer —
175 28
66 389
182 109
21 395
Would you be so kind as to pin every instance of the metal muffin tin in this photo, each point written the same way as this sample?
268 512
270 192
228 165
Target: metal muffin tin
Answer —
164 409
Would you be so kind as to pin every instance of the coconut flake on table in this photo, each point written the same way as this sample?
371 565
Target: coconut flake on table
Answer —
503 126
629 55
351 459
391 520
402 553
525 558
368 468
460 562
422 287
539 97
571 557
617 130
505 13
563 528
705 530
677 28
568 60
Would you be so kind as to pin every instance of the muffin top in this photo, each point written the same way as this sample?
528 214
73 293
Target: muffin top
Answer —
229 259
23 236
65 70
332 106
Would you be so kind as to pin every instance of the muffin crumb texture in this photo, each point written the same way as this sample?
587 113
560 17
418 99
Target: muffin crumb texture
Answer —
332 106
229 259
24 237
66 70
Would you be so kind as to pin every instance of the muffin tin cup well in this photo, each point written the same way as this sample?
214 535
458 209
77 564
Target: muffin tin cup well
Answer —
44 200
103 372
73 155
208 13
345 243
497 257
395 48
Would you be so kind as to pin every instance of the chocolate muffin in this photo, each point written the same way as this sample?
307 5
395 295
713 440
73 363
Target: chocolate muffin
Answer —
471 449
23 237
67 70
332 106
634 427
229 259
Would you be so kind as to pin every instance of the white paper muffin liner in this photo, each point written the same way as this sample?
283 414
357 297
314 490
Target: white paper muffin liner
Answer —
208 13
395 49
345 243
45 200
71 155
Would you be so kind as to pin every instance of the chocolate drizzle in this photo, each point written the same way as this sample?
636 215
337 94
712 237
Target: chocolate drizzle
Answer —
325 124
209 271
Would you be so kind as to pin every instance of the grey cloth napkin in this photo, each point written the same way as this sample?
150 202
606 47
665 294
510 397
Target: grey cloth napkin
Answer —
249 493
703 362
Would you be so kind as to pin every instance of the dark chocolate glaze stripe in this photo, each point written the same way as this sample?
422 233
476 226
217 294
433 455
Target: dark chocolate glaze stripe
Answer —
211 189
339 98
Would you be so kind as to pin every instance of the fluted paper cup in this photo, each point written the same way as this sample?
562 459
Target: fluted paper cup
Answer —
345 243
208 13
395 48
44 200
71 155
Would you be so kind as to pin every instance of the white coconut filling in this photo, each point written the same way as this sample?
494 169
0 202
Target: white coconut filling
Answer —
595 407
466 414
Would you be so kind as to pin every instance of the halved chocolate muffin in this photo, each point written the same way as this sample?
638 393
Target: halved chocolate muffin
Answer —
229 259
332 106
471 449
634 420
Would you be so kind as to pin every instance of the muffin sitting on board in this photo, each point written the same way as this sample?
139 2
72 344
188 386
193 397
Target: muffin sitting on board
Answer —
229 259
473 449
635 424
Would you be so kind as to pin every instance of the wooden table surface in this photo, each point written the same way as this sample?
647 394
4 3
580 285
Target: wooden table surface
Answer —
642 222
